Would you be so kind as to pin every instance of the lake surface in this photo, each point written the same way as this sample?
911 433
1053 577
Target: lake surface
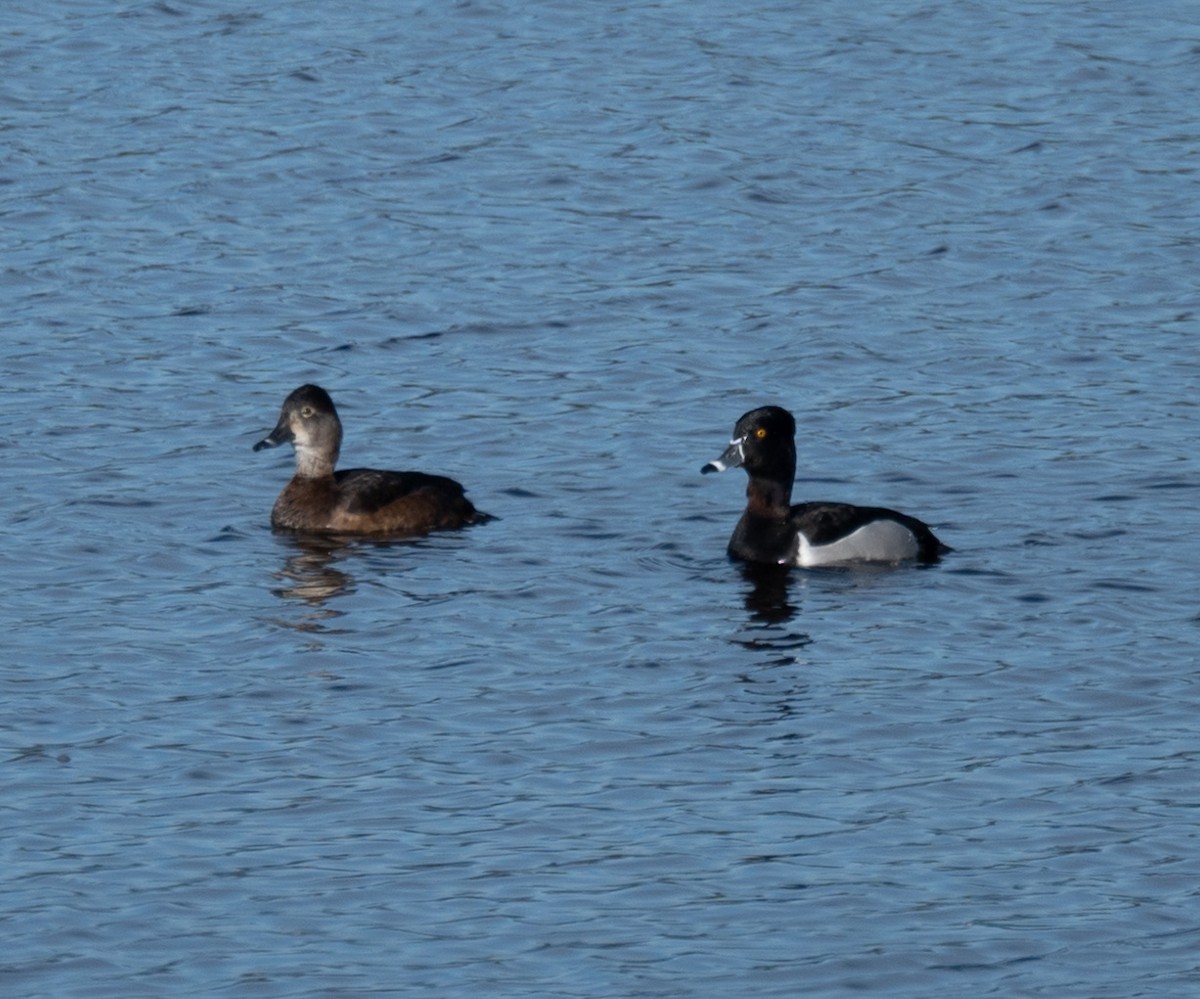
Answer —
555 250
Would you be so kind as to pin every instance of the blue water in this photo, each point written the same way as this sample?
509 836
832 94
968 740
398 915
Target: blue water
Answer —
555 250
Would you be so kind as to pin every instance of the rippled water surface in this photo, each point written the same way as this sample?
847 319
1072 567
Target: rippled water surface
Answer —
555 250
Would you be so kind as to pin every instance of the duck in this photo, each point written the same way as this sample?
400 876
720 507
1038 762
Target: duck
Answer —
774 531
367 501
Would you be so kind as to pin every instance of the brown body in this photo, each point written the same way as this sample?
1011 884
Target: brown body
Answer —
366 501
358 500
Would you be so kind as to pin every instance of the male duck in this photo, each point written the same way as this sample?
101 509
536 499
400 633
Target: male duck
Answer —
356 500
807 534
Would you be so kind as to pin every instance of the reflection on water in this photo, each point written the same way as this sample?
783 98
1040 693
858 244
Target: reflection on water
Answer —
310 574
310 577
319 568
767 598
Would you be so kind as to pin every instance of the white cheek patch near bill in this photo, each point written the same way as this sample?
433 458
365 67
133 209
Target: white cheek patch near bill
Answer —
879 541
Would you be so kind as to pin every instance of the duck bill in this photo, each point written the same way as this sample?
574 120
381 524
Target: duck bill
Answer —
732 458
282 434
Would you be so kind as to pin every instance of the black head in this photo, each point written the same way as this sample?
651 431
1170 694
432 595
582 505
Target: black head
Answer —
764 443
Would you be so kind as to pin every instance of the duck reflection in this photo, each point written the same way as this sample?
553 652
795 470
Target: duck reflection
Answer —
768 601
310 573
767 596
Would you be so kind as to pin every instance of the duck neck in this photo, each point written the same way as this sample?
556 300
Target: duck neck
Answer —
313 463
768 496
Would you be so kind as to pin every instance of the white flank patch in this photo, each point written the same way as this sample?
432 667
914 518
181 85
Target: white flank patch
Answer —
879 541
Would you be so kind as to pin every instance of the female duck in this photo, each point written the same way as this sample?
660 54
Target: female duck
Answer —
356 500
807 534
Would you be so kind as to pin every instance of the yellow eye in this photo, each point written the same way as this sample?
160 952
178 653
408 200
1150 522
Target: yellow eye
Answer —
760 433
